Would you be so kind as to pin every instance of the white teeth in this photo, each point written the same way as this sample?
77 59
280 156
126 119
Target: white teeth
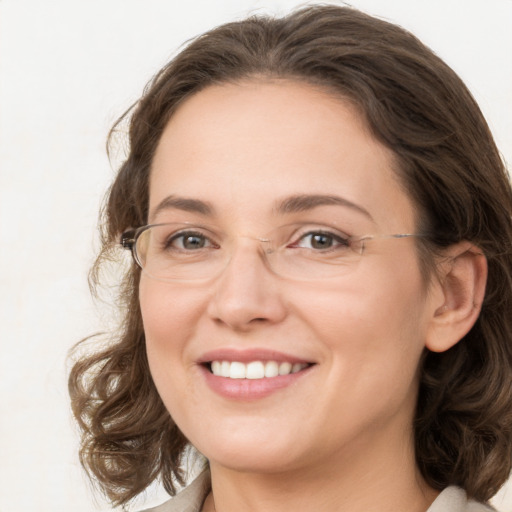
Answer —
237 370
216 368
297 367
271 369
285 368
254 369
224 368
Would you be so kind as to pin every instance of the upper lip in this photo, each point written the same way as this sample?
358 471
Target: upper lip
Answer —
248 355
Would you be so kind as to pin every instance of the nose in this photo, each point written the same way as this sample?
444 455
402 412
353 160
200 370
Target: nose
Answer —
247 293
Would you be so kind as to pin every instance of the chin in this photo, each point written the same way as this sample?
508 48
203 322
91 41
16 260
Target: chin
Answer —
248 452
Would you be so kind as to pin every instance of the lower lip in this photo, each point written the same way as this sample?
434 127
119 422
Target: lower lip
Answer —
250 389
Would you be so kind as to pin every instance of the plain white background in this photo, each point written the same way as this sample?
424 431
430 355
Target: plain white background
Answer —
68 69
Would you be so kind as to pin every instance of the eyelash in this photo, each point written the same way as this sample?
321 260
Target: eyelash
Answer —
337 239
186 234
341 241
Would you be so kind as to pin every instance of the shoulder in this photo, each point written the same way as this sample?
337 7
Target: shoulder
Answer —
190 499
454 499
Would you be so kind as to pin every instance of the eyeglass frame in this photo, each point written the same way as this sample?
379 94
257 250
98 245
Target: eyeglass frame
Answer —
130 237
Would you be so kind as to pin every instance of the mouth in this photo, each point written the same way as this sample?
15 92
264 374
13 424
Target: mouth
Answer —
254 369
251 374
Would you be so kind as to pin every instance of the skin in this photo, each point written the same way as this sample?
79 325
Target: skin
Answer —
340 437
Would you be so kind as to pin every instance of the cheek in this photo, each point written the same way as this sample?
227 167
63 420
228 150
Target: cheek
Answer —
170 317
169 314
374 325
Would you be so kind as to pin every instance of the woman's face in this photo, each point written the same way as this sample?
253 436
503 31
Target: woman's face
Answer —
246 159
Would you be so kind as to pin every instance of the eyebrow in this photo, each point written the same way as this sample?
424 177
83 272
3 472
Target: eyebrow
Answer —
306 202
293 204
184 203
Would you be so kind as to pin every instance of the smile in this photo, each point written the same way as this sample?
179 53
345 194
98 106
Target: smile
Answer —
254 369
251 374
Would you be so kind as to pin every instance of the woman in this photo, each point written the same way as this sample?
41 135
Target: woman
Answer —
323 224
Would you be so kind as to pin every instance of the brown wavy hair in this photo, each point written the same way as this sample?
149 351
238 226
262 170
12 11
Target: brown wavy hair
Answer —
448 162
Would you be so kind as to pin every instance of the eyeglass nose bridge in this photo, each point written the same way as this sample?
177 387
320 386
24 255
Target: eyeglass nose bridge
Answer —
269 248
266 248
266 245
270 254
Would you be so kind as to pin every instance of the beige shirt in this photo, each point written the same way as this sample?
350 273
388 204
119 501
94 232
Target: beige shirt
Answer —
452 499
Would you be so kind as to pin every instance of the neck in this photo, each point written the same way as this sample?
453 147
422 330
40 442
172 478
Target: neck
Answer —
377 479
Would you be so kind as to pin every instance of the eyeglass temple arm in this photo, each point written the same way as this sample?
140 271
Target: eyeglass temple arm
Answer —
128 239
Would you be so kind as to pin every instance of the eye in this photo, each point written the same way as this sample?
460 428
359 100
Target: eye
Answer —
189 241
322 240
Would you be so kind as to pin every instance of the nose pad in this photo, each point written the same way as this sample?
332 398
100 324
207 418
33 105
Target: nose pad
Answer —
247 292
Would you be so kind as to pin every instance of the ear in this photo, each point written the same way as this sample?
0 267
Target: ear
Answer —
460 290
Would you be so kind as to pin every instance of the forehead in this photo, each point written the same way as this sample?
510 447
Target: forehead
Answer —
243 146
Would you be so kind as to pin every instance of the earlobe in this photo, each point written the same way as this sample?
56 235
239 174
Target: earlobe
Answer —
461 283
